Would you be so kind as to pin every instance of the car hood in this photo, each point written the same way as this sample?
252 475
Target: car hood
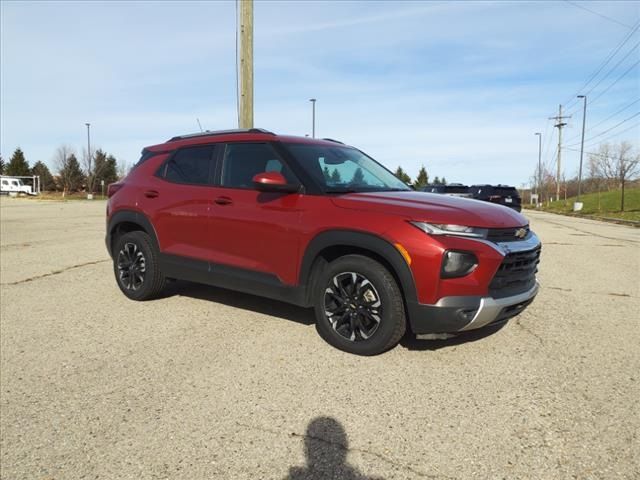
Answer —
434 208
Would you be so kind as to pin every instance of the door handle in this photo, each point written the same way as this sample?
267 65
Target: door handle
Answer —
151 193
223 201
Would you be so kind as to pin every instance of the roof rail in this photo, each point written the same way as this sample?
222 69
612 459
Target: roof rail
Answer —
334 141
207 133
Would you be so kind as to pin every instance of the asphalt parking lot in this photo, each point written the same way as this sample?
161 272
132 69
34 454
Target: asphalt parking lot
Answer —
207 383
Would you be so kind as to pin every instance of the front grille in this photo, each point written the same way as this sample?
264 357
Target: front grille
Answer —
505 234
516 274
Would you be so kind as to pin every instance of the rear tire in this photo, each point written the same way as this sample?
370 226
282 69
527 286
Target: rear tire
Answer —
135 265
358 305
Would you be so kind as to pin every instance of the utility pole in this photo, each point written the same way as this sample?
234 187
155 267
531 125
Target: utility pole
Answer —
245 119
89 146
559 125
313 117
584 118
538 183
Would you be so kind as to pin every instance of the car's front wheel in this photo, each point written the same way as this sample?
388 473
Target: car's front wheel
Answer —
136 266
359 306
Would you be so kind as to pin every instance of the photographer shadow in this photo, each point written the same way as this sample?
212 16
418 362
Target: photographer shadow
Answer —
326 446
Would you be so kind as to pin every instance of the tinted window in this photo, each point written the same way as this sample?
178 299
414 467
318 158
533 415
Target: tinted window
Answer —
189 165
242 161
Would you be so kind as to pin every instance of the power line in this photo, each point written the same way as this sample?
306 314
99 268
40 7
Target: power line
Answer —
601 15
593 100
609 129
603 64
609 117
611 70
617 134
589 153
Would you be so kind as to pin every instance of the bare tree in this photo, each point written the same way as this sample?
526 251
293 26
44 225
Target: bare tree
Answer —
92 167
68 169
61 162
617 164
123 169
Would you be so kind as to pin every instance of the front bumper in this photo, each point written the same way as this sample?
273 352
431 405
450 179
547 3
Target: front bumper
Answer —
459 313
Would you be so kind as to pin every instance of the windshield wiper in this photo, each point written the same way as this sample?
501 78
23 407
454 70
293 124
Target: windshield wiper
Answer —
342 190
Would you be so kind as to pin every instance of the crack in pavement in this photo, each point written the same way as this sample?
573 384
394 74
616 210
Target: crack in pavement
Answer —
607 294
530 332
55 272
347 449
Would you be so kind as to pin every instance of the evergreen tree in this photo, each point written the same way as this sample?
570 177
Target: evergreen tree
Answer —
402 175
436 181
71 175
105 168
2 166
46 179
326 173
444 181
335 176
358 177
18 166
422 180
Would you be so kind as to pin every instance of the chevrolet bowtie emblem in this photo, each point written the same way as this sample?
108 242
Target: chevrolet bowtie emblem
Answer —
521 232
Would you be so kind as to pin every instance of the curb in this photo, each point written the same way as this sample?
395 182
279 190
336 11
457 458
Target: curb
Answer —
619 221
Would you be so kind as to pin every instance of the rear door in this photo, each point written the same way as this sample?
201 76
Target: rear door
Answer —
253 230
179 200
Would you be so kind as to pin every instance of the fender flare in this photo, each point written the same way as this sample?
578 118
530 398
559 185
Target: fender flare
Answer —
362 240
131 216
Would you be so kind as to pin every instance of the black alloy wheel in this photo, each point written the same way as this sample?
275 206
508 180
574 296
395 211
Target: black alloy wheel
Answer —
132 266
353 306
359 306
136 266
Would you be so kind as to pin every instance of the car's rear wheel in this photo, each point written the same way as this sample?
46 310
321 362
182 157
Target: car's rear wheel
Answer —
136 266
359 307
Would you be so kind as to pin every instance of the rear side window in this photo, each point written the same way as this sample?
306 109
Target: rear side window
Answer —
191 165
242 161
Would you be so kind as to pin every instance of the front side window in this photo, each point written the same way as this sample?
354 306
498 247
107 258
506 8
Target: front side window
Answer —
341 169
242 161
190 165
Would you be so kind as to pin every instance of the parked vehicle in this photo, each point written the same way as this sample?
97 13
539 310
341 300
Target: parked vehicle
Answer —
500 194
318 224
453 189
14 185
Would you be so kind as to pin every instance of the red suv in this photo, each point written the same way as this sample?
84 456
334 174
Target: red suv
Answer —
318 224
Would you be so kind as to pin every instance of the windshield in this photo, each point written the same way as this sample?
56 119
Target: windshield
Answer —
340 169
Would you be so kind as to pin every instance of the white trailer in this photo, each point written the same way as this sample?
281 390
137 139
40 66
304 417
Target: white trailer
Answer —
15 185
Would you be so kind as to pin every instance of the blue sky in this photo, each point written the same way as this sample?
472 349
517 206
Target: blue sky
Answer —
460 87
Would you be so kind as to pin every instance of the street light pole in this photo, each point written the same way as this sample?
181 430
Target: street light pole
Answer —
539 135
88 139
584 118
313 117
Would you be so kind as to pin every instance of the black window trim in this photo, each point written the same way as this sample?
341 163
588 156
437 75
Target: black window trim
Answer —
273 145
213 162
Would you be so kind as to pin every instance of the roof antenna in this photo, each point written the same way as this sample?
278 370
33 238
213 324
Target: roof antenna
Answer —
199 124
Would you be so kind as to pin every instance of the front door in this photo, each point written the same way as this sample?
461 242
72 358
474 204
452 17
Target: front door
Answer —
253 230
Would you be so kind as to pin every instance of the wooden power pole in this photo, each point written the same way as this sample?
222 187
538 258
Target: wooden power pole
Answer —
245 115
559 125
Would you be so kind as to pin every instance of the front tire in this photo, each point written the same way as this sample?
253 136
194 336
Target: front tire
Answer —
135 265
359 306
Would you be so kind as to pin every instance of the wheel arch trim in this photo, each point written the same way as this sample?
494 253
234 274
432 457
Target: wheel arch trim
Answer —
360 240
130 216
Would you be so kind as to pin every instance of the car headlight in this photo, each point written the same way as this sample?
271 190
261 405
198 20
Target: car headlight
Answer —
447 229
